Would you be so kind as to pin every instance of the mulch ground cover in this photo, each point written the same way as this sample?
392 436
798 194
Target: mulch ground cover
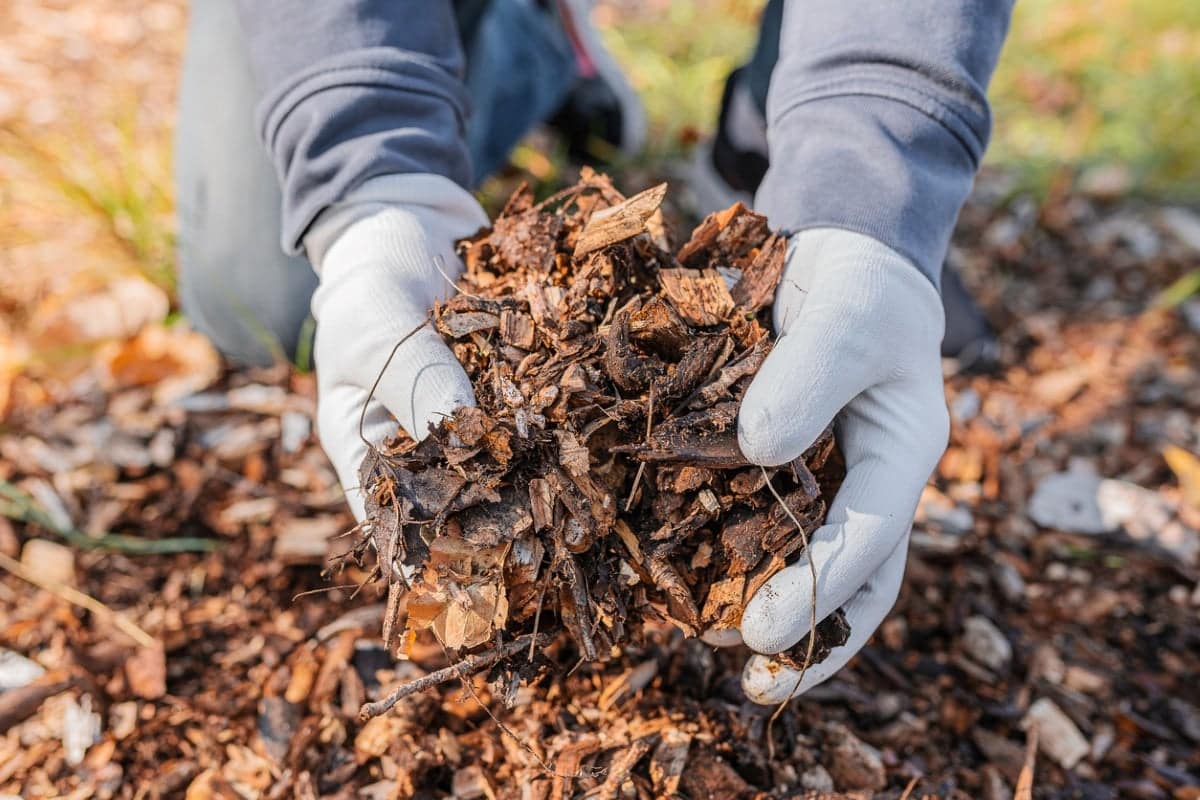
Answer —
241 671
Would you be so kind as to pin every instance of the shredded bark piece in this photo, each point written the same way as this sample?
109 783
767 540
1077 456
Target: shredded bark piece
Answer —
597 486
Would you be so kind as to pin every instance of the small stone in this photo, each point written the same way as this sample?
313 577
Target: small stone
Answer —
1047 664
122 719
49 560
1003 233
1009 581
1147 517
1056 388
1128 230
1058 736
1183 224
161 448
854 764
80 729
294 428
1057 572
146 671
16 670
965 406
1082 679
1106 181
1102 741
817 779
939 511
1066 501
986 644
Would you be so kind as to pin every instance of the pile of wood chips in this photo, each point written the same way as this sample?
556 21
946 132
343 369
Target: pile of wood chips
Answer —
598 484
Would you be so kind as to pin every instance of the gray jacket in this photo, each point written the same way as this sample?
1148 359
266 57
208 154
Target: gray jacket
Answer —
877 113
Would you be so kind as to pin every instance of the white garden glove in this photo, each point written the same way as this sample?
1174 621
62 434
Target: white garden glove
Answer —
860 329
384 256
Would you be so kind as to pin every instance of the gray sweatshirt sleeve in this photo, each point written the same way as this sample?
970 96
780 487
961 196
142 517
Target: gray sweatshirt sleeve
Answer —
878 118
354 89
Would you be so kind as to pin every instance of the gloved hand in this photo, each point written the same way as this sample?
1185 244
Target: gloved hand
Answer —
384 256
860 330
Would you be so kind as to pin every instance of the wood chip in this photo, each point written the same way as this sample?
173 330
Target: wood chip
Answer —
620 222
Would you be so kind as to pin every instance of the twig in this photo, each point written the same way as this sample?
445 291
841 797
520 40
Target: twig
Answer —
537 621
324 589
466 684
461 669
908 790
17 705
812 629
78 598
637 478
507 731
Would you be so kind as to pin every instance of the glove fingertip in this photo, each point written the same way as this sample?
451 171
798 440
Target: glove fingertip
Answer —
446 389
775 425
726 637
780 612
756 439
768 682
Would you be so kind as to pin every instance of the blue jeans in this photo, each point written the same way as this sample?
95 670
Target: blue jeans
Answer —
236 284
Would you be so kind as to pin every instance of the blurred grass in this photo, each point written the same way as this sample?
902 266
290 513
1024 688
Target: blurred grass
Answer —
678 55
1087 82
1081 83
113 171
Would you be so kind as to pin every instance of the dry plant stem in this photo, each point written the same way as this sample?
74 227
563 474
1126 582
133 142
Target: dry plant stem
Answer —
537 621
439 264
78 598
324 589
637 478
468 666
908 790
362 417
812 628
507 731
1024 790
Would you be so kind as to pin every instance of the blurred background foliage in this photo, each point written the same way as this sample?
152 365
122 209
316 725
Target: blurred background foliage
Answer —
1082 84
1099 92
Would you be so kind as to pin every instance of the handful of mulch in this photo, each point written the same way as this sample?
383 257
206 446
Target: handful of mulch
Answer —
598 484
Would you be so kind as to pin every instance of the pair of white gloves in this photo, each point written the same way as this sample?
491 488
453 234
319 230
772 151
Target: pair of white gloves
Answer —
859 327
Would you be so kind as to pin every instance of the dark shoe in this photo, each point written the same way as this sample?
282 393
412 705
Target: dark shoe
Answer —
602 115
969 340
729 167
